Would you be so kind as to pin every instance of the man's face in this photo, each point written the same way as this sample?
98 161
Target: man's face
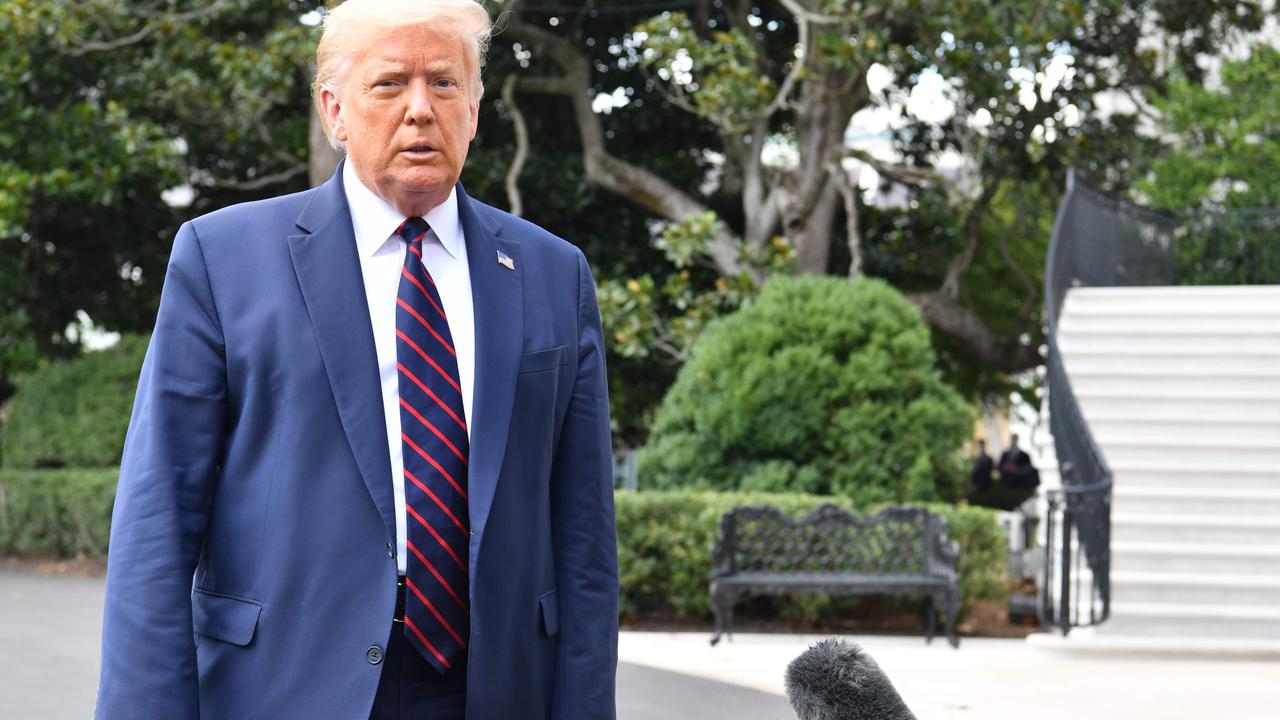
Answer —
406 113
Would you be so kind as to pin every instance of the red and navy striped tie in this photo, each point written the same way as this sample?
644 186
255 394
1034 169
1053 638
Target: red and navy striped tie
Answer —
433 435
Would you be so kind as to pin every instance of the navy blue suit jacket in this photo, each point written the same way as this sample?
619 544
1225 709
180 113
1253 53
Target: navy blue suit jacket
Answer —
252 561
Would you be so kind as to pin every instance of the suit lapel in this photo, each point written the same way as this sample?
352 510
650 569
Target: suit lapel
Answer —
498 299
326 262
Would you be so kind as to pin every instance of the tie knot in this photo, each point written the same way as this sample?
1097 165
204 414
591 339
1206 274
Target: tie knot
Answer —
413 229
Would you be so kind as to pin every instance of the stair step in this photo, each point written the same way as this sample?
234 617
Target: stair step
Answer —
1121 320
1166 343
1187 501
1209 416
1260 308
1147 363
1165 292
1209 559
1258 622
1220 529
1193 588
1224 388
1237 476
1174 300
1185 430
1224 455
1192 404
1143 371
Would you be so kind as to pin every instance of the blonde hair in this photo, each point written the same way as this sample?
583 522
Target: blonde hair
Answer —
351 27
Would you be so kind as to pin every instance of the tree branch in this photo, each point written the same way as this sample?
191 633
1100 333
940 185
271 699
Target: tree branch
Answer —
961 263
853 235
522 145
259 182
902 173
782 99
606 170
84 47
546 85
807 15
946 315
1032 290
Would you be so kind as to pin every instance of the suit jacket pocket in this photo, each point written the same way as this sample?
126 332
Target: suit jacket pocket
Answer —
224 617
550 613
540 360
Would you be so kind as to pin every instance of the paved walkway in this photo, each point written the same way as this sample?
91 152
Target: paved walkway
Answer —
988 679
49 629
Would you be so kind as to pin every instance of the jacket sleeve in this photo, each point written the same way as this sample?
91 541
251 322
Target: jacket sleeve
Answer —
584 535
167 476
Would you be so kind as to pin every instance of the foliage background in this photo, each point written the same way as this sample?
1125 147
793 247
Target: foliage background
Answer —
75 413
118 120
58 514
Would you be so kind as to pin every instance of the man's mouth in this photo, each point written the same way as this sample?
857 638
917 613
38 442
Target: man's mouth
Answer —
419 149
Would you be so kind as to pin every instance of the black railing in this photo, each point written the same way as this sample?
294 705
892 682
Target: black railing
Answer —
1081 252
1099 240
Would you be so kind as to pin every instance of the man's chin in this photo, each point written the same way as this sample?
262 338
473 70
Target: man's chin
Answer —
418 193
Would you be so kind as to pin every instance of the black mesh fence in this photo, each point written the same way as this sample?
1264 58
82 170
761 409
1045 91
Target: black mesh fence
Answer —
1111 242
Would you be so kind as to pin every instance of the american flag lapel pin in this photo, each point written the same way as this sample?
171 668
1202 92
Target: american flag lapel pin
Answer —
505 261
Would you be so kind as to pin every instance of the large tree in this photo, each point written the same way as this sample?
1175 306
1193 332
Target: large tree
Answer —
106 109
1024 77
1224 141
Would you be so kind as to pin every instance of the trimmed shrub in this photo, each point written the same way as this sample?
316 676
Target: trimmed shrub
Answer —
665 538
821 386
56 513
74 413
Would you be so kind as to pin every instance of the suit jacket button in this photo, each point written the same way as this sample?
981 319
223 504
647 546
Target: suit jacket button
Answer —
391 551
374 655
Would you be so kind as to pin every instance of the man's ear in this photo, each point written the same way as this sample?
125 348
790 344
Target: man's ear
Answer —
475 117
333 114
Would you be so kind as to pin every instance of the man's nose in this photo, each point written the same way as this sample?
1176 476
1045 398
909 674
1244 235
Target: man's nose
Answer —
419 109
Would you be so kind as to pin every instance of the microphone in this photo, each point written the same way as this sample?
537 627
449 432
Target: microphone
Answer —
838 680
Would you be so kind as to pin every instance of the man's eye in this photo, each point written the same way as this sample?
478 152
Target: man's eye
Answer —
443 83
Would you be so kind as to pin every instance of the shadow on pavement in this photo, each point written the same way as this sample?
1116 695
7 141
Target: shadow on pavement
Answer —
646 693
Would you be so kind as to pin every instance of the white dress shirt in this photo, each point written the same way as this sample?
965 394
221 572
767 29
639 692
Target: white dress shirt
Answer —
444 254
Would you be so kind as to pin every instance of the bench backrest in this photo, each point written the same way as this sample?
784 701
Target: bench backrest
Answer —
899 540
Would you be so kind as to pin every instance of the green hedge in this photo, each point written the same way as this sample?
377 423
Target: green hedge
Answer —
74 413
664 538
56 513
664 548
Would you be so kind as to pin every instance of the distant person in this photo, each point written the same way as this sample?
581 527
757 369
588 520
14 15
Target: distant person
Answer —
1016 470
980 475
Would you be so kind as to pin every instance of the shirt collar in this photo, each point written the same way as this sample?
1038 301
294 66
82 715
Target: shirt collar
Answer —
375 221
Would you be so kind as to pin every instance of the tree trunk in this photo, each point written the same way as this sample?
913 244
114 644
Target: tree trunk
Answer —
811 233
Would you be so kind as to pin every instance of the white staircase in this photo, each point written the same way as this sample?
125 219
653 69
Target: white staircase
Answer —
1181 389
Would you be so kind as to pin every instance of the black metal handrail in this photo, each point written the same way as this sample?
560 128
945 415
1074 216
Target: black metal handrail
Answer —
1100 240
1084 503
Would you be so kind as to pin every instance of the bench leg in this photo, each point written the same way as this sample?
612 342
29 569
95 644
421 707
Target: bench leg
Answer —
930 618
952 610
722 609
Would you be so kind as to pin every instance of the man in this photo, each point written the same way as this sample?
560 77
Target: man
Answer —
980 473
1016 470
368 469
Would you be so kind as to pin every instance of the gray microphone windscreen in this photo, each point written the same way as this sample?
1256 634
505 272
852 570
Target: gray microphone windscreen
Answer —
837 680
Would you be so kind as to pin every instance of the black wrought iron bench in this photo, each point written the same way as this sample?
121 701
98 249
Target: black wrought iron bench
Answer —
900 551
